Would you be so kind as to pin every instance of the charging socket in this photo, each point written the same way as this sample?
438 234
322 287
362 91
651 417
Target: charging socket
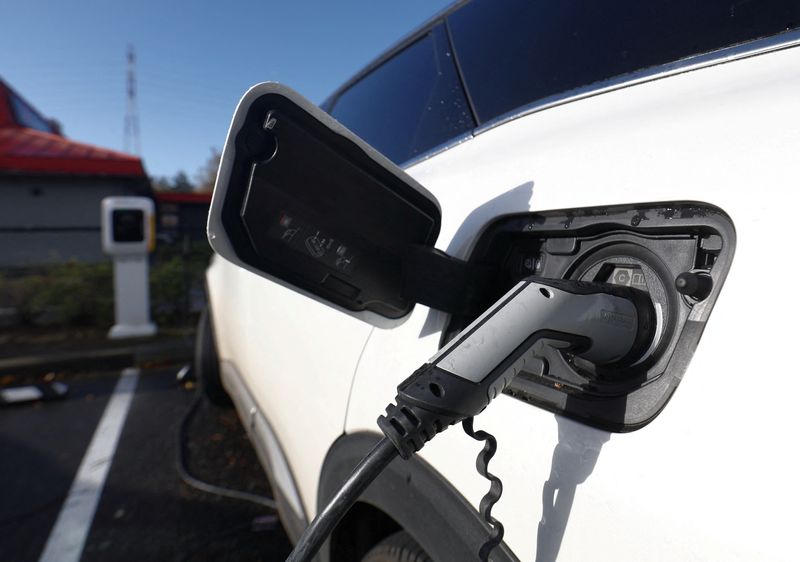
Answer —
646 247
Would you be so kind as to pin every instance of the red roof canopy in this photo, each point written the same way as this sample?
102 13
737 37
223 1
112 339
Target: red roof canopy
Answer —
181 197
24 149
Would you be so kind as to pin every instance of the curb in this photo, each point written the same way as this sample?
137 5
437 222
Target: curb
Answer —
105 358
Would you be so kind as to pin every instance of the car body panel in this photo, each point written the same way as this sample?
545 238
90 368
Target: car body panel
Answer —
296 359
708 477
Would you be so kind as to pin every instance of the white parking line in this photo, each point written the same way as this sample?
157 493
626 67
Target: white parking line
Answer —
66 540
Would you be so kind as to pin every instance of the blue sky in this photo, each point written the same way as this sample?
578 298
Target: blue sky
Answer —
195 60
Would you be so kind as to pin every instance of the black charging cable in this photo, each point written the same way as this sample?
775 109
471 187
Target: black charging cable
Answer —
362 476
193 481
495 487
369 468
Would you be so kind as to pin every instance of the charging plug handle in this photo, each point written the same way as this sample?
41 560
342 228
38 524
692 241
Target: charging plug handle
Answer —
608 325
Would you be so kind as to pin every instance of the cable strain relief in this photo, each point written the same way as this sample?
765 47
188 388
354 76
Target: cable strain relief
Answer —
409 427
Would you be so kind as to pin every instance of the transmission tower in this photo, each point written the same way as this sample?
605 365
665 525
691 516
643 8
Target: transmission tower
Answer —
131 141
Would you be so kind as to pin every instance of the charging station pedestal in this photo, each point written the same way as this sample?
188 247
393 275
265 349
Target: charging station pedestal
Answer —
128 236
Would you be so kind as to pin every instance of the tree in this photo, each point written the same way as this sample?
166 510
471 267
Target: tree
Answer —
181 182
161 183
206 176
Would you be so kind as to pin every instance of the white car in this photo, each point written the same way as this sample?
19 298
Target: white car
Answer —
625 142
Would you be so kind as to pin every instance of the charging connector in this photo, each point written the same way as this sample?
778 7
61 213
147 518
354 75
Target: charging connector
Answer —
605 324
608 325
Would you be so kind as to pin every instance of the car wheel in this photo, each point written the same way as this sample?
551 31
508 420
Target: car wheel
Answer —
206 362
399 547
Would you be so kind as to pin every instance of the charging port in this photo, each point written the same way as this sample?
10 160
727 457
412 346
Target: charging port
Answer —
645 247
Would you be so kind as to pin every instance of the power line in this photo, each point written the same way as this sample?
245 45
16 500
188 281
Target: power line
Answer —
131 141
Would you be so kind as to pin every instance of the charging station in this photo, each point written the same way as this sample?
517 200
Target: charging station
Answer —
128 237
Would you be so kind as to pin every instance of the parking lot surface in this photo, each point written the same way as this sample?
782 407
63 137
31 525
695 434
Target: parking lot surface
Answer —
144 511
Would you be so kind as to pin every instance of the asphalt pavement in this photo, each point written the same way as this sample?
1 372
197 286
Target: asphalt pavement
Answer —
144 512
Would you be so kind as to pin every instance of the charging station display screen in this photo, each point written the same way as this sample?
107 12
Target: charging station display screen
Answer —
127 225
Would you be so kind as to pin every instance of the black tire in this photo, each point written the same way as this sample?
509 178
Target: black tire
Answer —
399 547
206 362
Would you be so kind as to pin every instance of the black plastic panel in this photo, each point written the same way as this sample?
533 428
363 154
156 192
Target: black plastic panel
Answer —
309 206
644 246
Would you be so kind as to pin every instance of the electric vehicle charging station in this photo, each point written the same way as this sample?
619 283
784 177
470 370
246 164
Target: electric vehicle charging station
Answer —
589 313
128 237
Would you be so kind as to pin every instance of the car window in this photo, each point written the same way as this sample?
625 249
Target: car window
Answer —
411 103
513 52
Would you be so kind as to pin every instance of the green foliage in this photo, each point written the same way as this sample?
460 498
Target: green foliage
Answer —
82 294
177 284
68 294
